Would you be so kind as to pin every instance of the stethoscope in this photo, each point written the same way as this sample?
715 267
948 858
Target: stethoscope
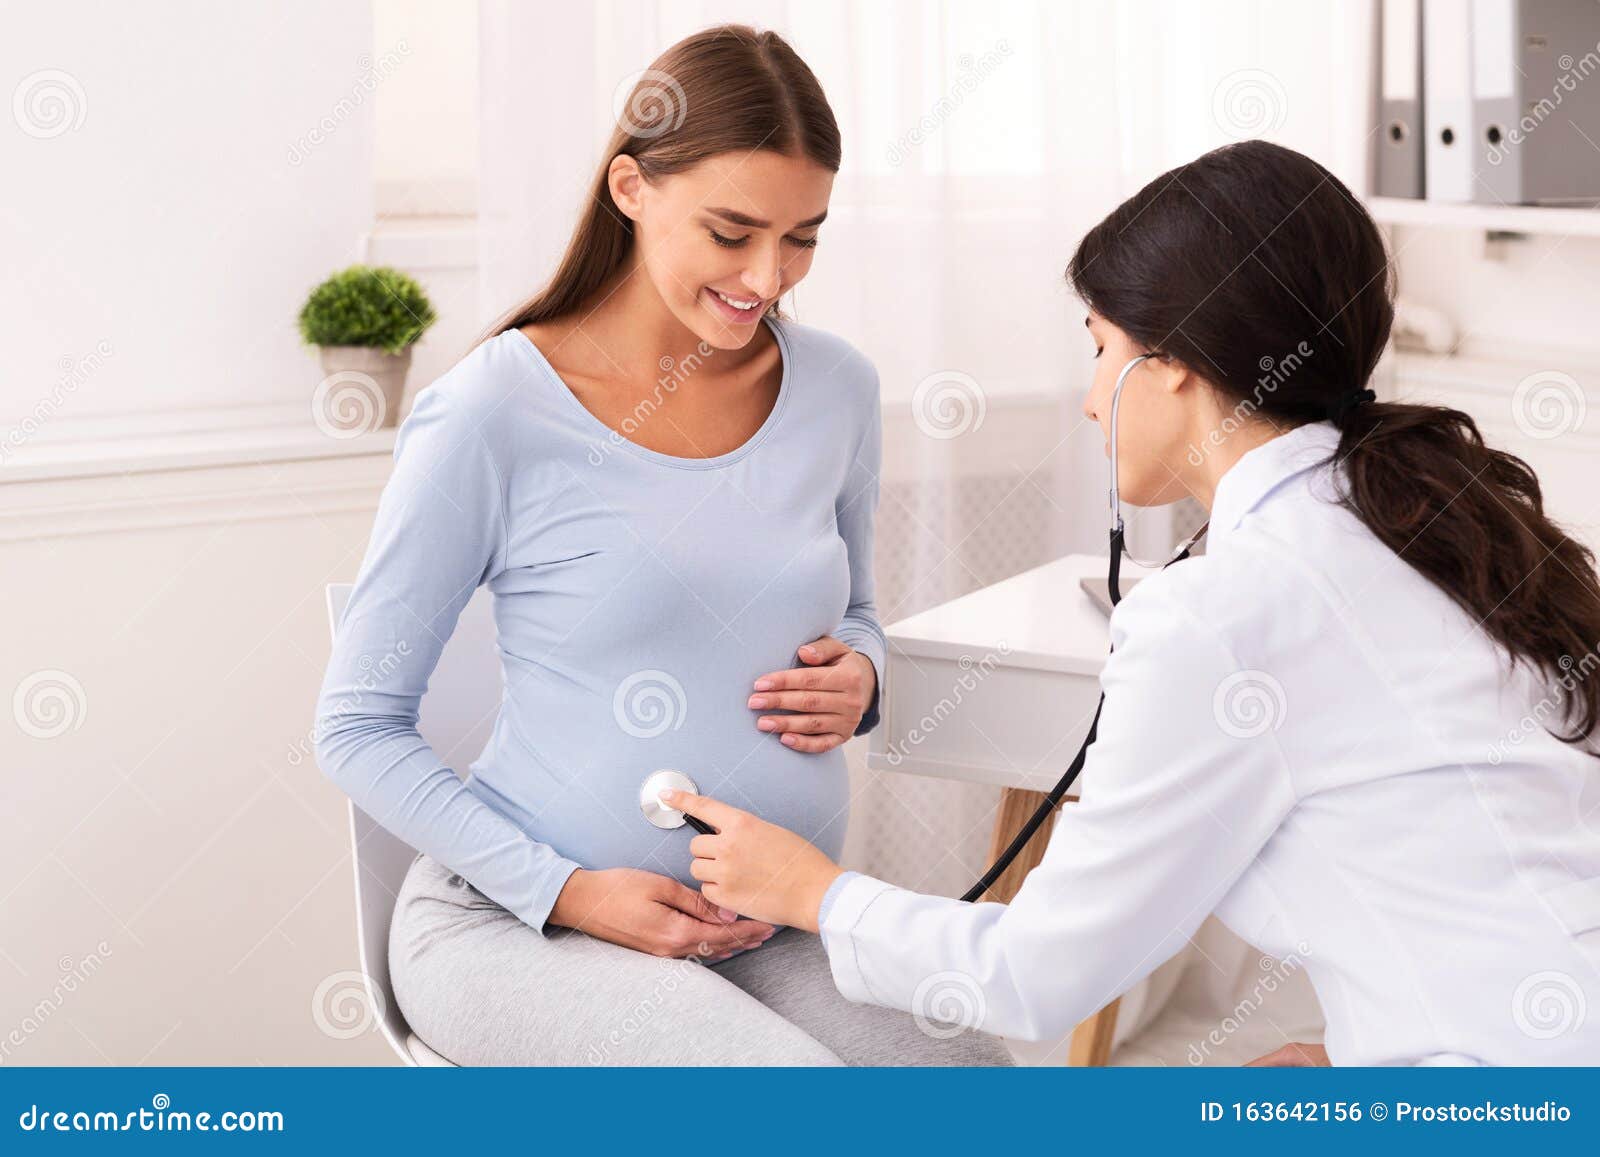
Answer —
662 816
659 813
1119 547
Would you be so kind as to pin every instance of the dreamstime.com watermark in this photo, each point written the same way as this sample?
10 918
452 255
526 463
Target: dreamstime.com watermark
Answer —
373 671
348 404
973 672
971 72
1551 706
649 104
1549 404
49 703
49 103
73 974
160 1117
947 1004
1249 703
1274 372
74 372
1548 1004
947 404
674 372
675 970
649 703
346 1005
373 73
1275 973
1572 72
1249 103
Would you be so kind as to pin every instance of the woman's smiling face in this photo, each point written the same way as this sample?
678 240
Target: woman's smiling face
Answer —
723 240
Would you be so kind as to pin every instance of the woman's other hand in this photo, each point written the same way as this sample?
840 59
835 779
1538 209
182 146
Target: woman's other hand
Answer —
755 867
830 696
653 913
1294 1056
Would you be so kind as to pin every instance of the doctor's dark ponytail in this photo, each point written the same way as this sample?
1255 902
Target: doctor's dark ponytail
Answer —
1259 270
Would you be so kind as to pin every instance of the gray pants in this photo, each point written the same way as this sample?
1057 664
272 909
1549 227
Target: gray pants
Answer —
482 988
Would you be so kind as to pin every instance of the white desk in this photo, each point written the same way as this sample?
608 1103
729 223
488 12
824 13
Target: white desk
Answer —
998 686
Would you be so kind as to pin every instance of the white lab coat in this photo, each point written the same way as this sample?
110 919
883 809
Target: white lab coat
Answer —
1307 737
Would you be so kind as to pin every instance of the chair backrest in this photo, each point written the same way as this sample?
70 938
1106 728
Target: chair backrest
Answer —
455 718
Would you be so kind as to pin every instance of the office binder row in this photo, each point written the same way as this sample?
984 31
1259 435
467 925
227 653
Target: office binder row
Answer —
1495 102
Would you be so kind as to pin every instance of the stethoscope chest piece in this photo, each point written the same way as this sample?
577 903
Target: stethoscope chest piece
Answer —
650 803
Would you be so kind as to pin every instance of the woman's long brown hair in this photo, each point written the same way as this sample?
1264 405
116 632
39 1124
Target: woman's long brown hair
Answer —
725 89
1254 252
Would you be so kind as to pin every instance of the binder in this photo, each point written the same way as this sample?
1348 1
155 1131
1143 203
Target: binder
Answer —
1447 99
1534 101
1400 171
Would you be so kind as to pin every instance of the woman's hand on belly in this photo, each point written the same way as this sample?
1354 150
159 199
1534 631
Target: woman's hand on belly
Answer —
830 696
652 913
753 866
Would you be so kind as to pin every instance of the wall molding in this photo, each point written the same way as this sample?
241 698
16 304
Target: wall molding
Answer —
282 478
224 474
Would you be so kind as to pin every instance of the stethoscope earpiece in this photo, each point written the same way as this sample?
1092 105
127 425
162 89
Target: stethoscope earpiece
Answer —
1119 548
1119 534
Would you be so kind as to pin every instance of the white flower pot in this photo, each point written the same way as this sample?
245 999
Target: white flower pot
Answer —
361 391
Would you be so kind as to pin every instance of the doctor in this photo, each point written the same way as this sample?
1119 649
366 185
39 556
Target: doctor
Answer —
1356 728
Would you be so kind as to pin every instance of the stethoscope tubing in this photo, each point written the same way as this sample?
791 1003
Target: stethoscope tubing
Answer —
1118 547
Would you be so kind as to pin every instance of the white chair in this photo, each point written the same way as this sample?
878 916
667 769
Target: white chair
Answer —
456 716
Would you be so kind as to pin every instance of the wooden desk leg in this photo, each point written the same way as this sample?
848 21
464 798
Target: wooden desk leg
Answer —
1091 1040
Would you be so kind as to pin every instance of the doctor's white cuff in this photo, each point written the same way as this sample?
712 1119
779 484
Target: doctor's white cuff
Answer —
843 904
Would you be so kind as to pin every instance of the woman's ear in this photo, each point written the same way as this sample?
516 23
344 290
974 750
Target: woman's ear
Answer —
626 183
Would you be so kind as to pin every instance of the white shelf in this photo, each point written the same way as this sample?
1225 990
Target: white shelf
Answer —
1541 219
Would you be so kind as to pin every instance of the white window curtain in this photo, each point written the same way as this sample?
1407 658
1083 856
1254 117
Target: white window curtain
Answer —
980 141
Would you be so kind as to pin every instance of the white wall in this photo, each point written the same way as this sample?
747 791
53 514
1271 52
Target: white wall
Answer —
426 155
214 163
176 819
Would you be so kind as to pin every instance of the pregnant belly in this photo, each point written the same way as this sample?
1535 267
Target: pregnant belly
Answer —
585 803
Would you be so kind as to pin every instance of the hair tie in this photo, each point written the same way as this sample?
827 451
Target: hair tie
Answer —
1343 404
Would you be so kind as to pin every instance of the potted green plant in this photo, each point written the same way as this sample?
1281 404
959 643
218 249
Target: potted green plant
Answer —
364 319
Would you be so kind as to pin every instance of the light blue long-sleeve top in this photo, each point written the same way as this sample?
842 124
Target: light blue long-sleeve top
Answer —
637 597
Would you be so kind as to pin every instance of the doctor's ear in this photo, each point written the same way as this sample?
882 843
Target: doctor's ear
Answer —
1171 375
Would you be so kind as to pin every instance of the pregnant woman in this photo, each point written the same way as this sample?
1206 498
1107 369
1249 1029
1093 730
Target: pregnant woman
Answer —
670 491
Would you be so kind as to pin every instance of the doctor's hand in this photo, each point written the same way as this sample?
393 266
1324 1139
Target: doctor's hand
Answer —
652 913
754 867
830 695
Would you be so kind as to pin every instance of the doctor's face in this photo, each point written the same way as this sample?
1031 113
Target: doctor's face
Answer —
1152 418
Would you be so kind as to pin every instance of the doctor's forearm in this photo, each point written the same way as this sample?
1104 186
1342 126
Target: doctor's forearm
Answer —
901 949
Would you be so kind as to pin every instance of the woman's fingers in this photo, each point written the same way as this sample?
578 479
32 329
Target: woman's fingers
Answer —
826 702
819 701
812 744
709 940
823 650
800 724
797 679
